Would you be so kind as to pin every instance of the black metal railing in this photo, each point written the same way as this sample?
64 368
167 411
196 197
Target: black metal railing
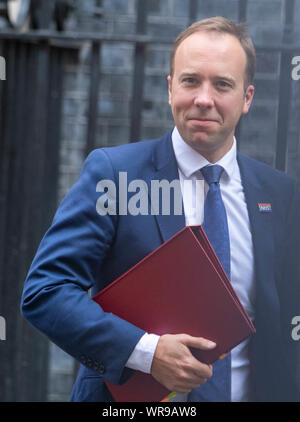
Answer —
30 115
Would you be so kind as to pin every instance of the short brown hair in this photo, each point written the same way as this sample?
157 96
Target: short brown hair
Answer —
221 25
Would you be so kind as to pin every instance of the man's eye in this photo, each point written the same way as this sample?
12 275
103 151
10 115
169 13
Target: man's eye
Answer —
189 80
223 84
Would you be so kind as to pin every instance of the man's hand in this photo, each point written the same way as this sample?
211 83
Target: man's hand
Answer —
175 367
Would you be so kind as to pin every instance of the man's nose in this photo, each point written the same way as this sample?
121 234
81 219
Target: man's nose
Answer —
204 96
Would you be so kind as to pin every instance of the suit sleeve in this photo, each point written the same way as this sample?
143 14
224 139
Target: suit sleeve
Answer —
55 298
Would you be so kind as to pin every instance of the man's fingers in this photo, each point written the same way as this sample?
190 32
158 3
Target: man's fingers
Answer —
198 342
198 368
175 367
188 386
201 370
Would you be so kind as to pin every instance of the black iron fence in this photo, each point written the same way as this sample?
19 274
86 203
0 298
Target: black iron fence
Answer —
30 115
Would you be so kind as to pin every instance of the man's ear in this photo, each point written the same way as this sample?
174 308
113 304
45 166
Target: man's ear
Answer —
169 78
249 94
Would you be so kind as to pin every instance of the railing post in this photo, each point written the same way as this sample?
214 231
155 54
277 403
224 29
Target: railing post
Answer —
193 11
284 90
139 73
242 17
94 96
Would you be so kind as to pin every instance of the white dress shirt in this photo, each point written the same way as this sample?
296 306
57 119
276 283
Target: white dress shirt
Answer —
242 265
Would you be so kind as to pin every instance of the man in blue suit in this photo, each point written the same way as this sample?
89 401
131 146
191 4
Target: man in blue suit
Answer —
210 87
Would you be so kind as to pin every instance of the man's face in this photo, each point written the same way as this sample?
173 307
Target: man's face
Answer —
207 91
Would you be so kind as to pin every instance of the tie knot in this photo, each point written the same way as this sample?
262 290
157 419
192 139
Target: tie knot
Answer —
212 174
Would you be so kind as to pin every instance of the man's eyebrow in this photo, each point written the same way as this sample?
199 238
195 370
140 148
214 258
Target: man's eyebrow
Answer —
225 78
217 77
189 74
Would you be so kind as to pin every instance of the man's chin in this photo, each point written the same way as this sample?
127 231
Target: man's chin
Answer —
211 149
206 146
202 142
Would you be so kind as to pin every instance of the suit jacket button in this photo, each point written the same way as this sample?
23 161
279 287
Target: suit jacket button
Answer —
89 363
101 369
83 359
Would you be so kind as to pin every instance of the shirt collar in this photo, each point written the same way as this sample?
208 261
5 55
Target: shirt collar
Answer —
190 161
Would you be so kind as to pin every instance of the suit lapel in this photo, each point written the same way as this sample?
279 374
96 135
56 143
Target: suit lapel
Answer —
165 168
262 229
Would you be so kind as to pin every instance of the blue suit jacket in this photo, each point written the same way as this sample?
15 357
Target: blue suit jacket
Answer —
83 250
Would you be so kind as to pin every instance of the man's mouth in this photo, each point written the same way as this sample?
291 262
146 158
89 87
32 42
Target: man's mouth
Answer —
202 121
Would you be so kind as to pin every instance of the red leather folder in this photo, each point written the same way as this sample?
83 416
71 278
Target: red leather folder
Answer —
180 287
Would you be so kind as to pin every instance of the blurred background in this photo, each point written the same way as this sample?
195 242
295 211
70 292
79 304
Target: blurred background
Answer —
83 74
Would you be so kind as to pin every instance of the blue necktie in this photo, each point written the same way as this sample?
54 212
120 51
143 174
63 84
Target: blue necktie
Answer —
218 387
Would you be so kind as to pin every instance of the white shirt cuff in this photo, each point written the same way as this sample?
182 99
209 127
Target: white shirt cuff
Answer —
143 353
